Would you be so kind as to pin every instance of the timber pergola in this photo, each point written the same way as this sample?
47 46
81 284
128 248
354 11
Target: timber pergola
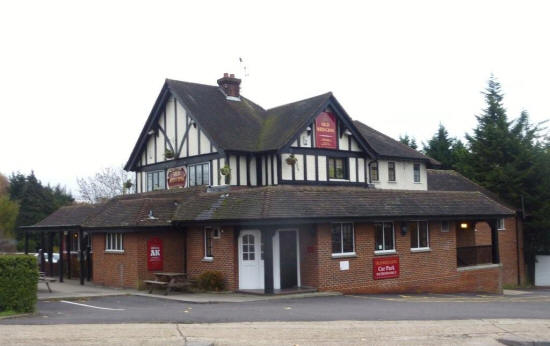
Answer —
47 235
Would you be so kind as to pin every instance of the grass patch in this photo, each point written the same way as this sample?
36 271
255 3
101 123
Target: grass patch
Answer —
8 313
515 287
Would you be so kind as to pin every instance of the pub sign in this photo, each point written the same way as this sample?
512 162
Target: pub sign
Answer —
385 267
176 177
154 254
325 131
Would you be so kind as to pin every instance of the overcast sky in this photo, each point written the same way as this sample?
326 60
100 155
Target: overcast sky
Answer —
78 79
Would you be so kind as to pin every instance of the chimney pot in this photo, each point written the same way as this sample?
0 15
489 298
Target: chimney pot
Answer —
230 85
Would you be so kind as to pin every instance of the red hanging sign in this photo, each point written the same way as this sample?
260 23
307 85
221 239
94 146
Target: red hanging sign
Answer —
176 177
385 268
325 131
154 254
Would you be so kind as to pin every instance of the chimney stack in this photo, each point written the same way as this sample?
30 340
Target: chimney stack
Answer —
230 85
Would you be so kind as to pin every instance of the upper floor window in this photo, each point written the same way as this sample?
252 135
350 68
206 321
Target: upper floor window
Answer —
373 171
342 238
199 174
500 224
337 168
384 237
416 172
113 242
391 171
420 235
156 180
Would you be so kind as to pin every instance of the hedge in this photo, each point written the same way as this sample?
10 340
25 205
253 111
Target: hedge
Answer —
18 283
211 280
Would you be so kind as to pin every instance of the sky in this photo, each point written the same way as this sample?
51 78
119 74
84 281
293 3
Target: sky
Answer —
79 78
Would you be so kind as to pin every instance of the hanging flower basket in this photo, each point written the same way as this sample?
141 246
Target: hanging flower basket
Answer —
168 154
291 160
226 172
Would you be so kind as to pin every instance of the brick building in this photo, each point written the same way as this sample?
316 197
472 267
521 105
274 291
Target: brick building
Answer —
297 196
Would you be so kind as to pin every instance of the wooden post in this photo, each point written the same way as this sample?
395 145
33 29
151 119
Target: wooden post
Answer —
267 237
60 265
41 252
494 241
50 253
26 243
68 241
185 251
81 255
88 259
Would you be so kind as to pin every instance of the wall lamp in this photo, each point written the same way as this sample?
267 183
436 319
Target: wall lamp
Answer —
404 228
463 225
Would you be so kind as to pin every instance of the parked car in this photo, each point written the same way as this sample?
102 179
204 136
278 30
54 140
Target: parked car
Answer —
55 256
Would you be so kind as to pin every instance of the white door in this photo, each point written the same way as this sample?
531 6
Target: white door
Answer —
251 265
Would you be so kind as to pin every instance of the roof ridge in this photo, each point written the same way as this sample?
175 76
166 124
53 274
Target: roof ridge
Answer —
328 94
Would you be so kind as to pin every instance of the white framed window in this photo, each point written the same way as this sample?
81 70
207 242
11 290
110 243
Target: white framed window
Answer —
445 226
343 239
208 235
501 225
384 235
337 168
420 235
199 174
156 180
249 250
373 171
114 242
391 171
416 168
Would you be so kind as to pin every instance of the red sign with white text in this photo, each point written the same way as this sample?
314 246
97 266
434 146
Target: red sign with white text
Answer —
325 131
154 254
385 268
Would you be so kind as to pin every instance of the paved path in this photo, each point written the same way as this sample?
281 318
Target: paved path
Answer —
138 309
463 332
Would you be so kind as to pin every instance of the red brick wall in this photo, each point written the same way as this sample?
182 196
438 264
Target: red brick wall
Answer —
309 266
431 271
129 269
224 251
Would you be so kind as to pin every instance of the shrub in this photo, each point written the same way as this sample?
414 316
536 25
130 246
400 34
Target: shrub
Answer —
211 281
18 283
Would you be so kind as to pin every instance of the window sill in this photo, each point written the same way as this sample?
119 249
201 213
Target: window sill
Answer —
116 252
207 259
421 249
418 182
385 252
342 180
501 229
392 182
344 255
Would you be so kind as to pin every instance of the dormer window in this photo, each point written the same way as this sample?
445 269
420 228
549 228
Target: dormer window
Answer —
373 171
337 168
156 180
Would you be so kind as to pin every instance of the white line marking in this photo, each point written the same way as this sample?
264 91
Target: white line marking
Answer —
91 306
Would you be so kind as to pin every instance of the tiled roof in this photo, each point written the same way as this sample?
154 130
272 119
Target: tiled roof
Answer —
70 215
388 147
289 203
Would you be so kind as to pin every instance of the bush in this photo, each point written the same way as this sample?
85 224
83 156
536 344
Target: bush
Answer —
211 281
18 283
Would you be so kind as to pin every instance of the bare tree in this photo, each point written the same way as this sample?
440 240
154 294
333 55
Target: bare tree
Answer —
108 183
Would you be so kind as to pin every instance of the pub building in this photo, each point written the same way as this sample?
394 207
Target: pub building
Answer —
296 197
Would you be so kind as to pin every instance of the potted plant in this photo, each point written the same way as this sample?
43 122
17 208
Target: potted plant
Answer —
226 172
168 154
127 186
291 160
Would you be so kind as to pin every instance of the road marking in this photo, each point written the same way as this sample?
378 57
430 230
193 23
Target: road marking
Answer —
91 306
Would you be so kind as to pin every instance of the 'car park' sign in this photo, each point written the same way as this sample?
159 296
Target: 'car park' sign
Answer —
385 268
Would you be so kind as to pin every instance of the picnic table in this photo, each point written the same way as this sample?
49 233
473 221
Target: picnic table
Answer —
46 279
168 281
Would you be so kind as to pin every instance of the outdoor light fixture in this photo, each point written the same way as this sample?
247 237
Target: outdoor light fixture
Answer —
194 123
463 225
404 228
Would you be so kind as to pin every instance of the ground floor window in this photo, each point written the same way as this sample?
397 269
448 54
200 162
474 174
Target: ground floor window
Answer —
249 250
384 236
500 224
156 180
199 174
342 238
420 235
208 235
114 242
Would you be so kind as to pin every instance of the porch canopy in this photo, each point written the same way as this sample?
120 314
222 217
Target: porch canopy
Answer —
268 207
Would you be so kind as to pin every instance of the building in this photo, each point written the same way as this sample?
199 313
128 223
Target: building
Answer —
297 196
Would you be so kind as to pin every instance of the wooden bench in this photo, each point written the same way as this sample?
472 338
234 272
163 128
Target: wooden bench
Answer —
168 281
46 279
151 284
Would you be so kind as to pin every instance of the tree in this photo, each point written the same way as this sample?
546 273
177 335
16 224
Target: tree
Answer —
4 184
8 215
36 202
410 141
107 183
440 147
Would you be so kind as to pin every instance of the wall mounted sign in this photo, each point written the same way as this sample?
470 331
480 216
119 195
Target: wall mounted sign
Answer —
325 131
176 177
154 254
385 268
